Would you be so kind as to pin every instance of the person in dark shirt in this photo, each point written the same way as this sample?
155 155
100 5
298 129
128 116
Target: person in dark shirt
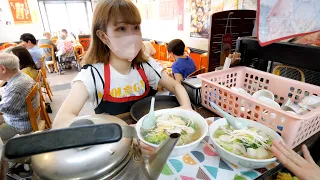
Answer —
47 51
183 65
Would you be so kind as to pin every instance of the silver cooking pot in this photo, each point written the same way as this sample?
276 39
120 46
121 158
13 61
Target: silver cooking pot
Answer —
92 147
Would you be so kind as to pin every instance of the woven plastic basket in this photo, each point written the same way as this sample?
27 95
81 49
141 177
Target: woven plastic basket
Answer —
293 128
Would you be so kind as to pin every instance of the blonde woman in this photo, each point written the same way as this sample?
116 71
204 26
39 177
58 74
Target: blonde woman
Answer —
116 72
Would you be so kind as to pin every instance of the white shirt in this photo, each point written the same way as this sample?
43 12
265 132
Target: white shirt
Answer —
71 38
121 85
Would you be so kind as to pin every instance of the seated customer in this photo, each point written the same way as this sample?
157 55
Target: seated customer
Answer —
13 104
149 50
65 51
30 42
183 65
47 51
27 65
68 36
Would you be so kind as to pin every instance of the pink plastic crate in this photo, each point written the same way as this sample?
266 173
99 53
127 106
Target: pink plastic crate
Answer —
294 129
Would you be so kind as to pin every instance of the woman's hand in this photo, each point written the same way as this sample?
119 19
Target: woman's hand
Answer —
189 108
304 168
178 90
145 149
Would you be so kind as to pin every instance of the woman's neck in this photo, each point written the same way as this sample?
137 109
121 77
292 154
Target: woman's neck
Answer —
120 65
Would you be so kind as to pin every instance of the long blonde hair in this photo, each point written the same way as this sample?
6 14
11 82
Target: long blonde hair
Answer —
110 11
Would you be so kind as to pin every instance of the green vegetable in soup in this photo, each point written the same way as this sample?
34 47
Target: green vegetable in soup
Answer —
156 138
251 142
219 133
193 126
226 146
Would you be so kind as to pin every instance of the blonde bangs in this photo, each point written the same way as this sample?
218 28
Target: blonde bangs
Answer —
124 11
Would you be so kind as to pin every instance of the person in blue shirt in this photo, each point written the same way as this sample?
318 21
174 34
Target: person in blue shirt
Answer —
183 65
30 42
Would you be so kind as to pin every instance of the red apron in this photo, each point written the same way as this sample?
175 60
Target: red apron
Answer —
115 106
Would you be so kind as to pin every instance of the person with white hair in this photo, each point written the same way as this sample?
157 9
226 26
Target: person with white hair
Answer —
13 101
47 51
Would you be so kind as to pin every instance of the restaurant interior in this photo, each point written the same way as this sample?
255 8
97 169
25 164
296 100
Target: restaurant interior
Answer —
159 89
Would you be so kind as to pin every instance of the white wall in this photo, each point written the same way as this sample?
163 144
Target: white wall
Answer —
10 33
166 30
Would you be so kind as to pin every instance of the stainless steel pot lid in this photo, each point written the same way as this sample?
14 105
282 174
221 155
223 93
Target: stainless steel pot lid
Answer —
83 163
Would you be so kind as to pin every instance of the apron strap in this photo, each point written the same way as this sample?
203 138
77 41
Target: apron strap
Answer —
143 76
107 78
153 69
94 79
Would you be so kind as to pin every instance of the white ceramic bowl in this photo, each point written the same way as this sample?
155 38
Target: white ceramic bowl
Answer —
269 102
178 150
240 160
264 93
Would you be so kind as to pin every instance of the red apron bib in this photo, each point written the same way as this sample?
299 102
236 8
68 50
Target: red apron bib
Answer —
115 106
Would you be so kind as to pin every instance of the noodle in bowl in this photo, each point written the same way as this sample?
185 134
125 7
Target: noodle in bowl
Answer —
237 159
185 114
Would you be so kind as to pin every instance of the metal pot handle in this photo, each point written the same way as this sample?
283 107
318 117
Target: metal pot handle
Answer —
60 139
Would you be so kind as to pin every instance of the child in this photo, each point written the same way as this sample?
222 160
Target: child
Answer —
183 65
65 51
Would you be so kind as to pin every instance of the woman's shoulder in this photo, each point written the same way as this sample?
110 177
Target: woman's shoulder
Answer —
25 70
86 70
150 62
96 66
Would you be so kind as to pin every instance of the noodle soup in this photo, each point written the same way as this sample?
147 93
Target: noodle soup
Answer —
250 143
167 124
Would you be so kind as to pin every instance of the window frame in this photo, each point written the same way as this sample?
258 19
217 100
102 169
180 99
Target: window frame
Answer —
46 18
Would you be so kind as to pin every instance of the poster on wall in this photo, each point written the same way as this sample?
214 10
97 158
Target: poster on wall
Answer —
248 5
217 6
180 14
167 9
200 18
148 9
230 5
20 11
0 14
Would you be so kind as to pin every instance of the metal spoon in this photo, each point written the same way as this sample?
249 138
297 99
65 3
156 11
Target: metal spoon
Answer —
233 121
149 121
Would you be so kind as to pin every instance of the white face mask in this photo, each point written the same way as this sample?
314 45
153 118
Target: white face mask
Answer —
126 47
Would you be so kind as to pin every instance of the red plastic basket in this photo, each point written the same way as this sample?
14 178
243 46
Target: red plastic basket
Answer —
293 128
